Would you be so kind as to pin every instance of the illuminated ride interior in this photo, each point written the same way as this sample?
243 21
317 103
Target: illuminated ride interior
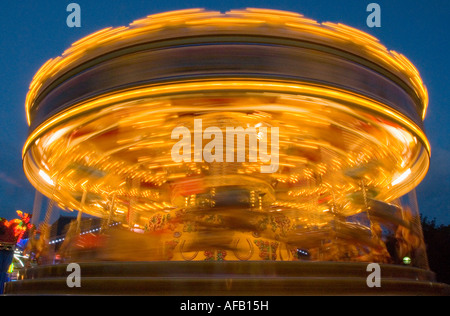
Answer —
350 148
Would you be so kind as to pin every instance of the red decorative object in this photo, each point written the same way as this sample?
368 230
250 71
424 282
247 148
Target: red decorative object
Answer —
13 231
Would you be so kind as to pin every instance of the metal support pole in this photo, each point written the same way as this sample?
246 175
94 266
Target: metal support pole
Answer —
80 212
37 205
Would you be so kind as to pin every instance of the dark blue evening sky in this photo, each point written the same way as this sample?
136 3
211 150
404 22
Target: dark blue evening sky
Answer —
34 31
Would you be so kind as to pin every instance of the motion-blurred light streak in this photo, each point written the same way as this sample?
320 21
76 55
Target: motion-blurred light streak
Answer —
351 145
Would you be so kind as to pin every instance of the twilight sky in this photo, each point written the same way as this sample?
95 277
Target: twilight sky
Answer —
34 31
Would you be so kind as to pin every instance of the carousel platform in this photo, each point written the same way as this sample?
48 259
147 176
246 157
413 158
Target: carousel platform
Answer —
228 278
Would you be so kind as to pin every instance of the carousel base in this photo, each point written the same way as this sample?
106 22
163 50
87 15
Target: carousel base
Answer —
228 278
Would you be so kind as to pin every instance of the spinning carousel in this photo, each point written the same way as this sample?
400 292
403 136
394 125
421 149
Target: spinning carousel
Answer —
350 147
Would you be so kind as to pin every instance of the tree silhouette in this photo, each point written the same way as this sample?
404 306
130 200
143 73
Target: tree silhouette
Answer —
437 240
